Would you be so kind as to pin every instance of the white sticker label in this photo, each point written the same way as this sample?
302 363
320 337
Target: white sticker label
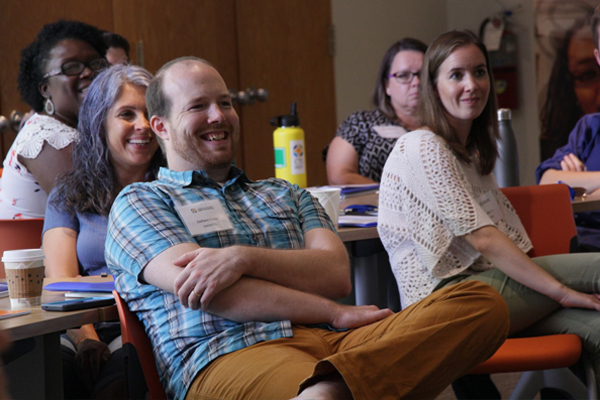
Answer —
490 205
297 157
204 217
389 131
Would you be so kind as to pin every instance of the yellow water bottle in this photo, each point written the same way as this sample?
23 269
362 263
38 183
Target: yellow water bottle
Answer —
290 151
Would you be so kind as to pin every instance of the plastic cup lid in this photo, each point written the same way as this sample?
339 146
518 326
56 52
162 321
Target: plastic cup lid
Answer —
23 255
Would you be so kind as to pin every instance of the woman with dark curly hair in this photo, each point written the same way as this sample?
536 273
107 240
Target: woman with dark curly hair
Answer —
363 142
116 147
573 88
54 74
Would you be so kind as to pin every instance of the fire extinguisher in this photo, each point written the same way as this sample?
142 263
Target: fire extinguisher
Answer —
501 43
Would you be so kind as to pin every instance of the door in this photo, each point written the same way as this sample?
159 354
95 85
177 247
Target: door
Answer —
279 46
19 23
283 46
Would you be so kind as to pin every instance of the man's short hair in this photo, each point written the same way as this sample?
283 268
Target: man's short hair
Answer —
594 21
157 102
116 41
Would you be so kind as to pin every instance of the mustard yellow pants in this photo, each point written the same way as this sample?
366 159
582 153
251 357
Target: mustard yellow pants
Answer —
414 354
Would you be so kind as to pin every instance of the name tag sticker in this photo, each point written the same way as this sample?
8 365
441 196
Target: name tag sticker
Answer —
490 205
204 217
389 131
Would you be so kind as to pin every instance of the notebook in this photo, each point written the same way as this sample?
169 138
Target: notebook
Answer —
88 294
3 289
105 287
359 221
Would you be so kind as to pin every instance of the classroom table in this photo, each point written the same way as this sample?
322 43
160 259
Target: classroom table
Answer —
37 373
587 203
373 280
372 274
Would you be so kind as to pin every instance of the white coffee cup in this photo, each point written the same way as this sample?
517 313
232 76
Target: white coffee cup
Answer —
25 276
330 200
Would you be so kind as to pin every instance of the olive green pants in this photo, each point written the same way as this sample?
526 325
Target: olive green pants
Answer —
534 314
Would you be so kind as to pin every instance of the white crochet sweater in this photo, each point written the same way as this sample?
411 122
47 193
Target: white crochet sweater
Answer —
428 201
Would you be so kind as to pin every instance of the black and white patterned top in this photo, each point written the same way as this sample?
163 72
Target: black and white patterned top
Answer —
372 148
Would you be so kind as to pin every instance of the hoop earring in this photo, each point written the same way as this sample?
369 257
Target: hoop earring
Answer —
49 106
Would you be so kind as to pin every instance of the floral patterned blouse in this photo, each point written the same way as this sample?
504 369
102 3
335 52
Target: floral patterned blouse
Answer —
21 196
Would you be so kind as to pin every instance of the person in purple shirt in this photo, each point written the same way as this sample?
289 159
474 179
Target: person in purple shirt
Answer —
577 164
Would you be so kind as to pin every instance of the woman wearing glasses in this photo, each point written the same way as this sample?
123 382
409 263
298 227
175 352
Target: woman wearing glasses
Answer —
363 142
54 74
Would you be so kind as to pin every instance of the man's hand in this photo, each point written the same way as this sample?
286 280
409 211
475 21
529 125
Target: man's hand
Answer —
570 162
356 316
206 272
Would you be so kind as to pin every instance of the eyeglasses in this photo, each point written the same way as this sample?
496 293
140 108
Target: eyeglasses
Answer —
72 68
404 77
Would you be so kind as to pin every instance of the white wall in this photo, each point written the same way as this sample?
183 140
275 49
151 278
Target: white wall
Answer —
365 29
525 119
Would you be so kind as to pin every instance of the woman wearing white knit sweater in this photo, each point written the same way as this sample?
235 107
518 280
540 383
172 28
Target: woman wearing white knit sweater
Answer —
443 219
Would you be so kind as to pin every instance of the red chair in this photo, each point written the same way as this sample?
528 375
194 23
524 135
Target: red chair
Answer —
547 215
16 234
140 367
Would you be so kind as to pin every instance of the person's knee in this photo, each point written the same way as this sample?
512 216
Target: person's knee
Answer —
489 306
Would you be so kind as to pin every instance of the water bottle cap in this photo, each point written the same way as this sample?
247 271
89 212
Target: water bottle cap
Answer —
286 121
504 114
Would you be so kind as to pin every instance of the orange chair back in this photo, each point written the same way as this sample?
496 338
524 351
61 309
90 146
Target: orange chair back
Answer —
134 337
547 215
16 234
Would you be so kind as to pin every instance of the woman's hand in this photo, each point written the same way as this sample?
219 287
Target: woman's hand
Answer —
90 358
571 162
574 299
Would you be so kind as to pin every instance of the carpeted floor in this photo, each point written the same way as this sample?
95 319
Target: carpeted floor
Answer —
504 382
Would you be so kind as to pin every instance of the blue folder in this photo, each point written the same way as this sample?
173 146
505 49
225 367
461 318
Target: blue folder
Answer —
108 286
359 188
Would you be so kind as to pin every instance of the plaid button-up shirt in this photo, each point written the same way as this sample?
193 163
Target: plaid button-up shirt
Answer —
143 223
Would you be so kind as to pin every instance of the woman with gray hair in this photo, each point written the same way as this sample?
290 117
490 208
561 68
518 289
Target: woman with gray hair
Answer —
116 147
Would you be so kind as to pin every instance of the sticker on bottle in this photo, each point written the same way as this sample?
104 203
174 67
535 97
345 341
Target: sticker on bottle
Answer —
297 157
280 157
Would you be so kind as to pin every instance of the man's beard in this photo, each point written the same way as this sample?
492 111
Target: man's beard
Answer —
192 150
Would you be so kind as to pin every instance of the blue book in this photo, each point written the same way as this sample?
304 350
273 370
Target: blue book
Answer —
108 286
356 189
358 221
